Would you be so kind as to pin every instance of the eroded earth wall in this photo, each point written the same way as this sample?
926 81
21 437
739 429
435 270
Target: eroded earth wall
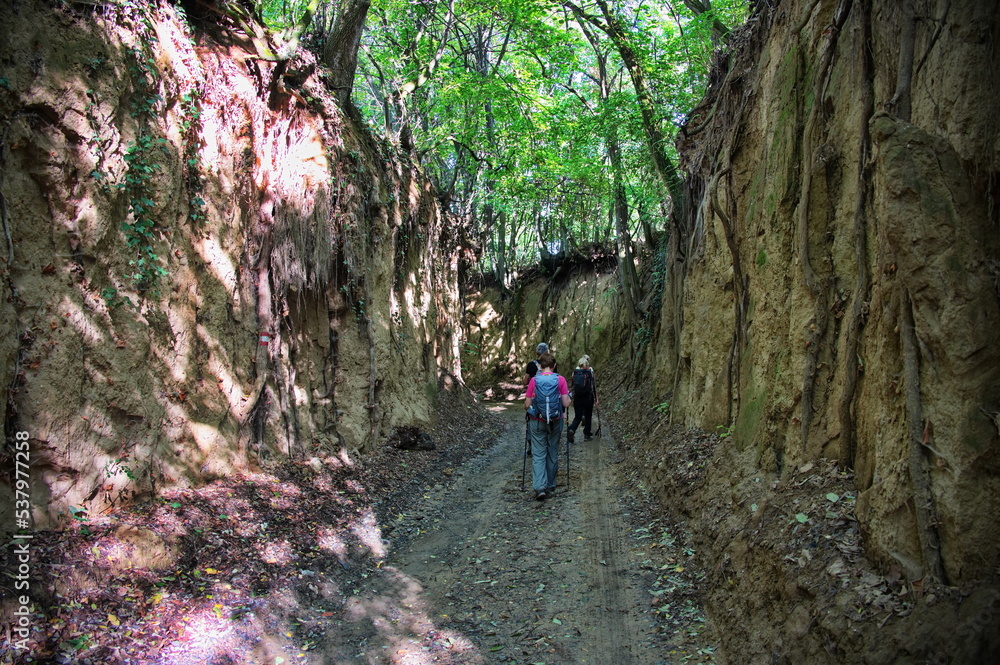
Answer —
837 293
854 315
205 265
575 312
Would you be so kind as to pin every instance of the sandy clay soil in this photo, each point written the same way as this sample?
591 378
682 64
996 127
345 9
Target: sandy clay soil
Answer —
413 558
583 577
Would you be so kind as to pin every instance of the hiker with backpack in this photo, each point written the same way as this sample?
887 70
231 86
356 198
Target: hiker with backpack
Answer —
546 400
584 399
529 373
532 369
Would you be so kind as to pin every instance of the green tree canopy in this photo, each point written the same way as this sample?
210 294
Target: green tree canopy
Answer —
547 125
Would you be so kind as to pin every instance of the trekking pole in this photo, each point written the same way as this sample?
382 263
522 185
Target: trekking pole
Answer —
567 462
597 407
600 420
527 442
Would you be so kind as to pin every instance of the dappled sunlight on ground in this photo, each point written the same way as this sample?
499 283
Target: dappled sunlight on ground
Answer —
503 392
331 540
279 552
287 566
205 634
368 533
287 561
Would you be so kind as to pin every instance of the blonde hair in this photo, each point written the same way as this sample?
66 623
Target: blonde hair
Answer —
583 362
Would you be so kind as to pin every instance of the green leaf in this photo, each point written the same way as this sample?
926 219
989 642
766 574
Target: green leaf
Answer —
832 497
801 517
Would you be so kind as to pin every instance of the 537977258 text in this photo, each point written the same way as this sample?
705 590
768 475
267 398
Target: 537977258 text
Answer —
22 539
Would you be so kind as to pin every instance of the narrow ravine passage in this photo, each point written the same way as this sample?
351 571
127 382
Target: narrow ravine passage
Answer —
263 261
579 578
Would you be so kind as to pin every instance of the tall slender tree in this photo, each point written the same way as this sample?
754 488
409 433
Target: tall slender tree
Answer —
341 44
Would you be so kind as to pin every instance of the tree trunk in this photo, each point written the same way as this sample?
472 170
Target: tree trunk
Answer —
340 51
720 31
501 251
482 59
655 139
424 74
629 280
650 122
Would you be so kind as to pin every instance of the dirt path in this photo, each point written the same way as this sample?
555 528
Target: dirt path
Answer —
415 559
579 578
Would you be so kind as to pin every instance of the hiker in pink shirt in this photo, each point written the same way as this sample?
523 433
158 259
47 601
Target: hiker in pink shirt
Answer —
546 401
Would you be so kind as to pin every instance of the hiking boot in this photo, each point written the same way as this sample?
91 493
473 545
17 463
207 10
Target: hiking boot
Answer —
569 436
541 496
587 437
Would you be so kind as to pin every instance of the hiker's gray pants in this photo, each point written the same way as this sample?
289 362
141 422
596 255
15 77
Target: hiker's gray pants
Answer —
544 453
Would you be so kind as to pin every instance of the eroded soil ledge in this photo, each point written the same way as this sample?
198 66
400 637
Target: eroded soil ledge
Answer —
787 577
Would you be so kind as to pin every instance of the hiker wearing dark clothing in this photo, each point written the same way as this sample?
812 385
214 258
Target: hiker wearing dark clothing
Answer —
584 399
533 367
545 400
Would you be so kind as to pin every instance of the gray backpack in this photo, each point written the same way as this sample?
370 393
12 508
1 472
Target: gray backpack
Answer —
546 405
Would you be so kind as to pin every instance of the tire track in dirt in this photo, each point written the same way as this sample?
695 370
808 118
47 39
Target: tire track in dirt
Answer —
555 582
611 613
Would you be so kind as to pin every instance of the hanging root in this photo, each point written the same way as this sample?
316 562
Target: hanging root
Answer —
6 229
923 499
860 304
806 15
900 102
374 412
739 289
816 288
3 199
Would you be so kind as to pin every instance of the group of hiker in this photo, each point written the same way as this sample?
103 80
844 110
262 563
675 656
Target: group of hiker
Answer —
547 398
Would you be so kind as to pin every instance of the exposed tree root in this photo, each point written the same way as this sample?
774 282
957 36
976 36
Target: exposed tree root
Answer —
859 307
933 40
700 127
818 290
286 383
3 199
923 499
804 19
739 290
374 412
678 273
900 102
